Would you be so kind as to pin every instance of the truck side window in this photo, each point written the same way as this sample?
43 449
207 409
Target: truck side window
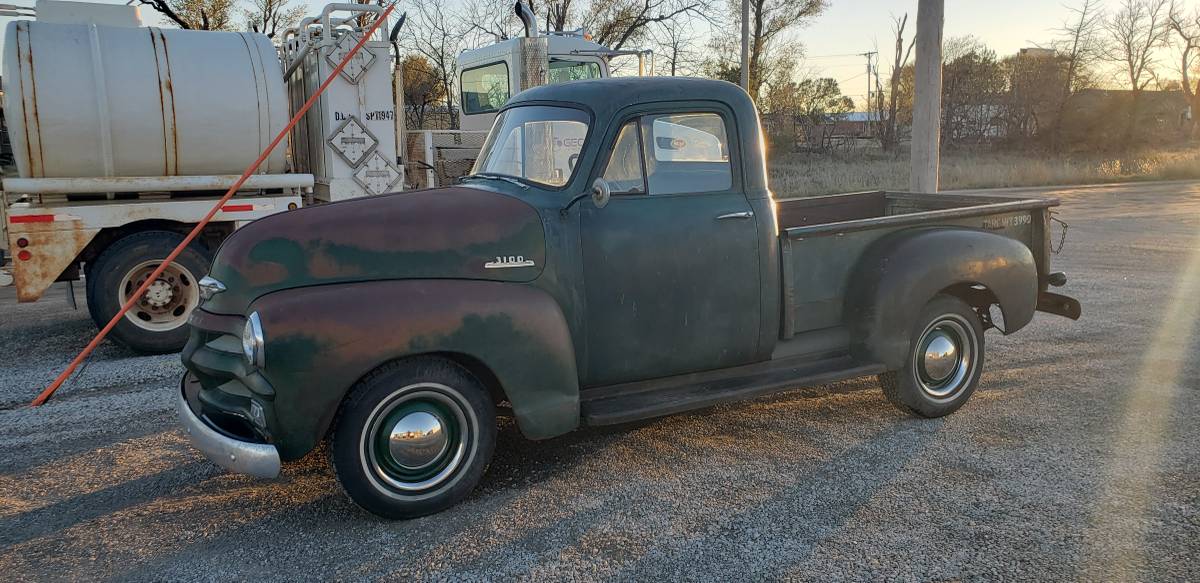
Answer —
484 88
624 170
686 153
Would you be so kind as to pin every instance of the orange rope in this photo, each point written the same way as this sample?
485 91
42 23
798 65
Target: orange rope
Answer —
137 295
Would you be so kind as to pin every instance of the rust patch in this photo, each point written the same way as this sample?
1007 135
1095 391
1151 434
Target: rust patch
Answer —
170 85
52 252
162 106
22 30
41 158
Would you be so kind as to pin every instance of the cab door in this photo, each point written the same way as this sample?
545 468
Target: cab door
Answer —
671 266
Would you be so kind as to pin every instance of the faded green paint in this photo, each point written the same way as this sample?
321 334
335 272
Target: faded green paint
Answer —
320 341
647 287
445 233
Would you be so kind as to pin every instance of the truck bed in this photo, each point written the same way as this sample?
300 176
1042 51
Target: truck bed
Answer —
822 238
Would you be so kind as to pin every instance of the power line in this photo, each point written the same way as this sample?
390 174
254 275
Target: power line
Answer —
833 56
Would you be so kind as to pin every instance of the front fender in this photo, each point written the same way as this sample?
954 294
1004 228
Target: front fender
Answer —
901 272
321 340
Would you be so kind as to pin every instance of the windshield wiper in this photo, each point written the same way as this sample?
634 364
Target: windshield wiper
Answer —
490 176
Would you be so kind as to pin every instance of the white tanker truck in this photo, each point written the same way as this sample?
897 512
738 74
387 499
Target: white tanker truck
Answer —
124 137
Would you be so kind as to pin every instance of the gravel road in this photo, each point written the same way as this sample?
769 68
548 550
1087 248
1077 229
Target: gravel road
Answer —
1078 459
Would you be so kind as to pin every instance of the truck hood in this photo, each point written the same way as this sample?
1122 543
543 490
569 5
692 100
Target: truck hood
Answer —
444 233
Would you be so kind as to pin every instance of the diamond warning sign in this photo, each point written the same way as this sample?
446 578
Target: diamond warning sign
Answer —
353 142
377 175
358 65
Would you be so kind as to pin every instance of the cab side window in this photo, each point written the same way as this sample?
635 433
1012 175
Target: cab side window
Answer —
624 172
686 153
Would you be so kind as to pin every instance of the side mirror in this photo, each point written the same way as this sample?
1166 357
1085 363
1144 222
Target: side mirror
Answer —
601 192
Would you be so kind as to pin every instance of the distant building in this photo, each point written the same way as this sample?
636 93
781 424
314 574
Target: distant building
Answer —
1038 53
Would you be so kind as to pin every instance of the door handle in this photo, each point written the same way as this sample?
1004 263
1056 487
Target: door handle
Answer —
741 215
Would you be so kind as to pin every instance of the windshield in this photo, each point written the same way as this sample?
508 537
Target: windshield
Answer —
563 70
537 143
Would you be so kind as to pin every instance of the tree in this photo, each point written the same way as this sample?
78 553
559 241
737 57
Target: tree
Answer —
615 23
195 14
769 20
1186 28
1079 45
1034 103
434 32
889 132
1135 32
489 22
810 100
677 47
422 88
271 16
973 85
789 106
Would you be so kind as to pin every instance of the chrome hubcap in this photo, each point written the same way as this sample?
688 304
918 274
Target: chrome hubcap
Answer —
944 357
417 440
168 300
941 357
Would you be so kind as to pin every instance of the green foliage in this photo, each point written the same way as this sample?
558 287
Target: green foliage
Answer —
206 14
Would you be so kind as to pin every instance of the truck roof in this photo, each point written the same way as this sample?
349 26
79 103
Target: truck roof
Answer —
607 96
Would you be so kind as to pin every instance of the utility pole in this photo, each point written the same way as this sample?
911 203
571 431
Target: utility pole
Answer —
867 110
746 45
927 118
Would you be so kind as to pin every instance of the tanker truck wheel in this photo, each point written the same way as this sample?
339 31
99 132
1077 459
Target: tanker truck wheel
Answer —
157 323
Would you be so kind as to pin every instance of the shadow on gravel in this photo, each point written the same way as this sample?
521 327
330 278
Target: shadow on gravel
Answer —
24 457
518 463
791 525
72 511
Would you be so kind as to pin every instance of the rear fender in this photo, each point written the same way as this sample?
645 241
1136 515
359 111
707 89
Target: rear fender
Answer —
320 340
901 272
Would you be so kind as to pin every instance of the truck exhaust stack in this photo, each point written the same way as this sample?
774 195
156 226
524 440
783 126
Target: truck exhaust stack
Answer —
527 18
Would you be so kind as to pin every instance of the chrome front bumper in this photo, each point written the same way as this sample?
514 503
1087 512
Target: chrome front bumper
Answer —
235 455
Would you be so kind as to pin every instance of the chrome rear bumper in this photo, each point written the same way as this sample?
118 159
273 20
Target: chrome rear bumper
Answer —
235 455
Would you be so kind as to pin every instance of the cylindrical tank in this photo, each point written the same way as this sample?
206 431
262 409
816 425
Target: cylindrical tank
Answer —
88 100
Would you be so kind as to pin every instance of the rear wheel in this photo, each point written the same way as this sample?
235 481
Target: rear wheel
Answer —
414 438
157 322
944 362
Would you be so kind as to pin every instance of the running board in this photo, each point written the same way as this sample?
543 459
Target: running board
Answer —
627 402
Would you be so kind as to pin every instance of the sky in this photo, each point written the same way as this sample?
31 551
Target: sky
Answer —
858 26
852 27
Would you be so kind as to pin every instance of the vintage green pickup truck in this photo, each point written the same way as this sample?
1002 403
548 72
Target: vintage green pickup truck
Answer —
616 255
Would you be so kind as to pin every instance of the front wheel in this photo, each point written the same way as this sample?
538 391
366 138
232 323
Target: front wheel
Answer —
944 362
414 438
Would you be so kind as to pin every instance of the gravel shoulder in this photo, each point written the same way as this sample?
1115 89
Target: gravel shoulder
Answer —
1078 458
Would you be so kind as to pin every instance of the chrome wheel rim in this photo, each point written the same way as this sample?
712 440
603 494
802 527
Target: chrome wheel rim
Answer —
944 357
418 439
168 301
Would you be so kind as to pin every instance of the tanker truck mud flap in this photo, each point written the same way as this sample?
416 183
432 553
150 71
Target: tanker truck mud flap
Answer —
43 246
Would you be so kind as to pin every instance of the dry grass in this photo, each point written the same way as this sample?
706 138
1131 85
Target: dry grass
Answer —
810 175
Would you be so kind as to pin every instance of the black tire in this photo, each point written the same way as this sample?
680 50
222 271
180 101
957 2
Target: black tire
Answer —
160 328
376 478
923 389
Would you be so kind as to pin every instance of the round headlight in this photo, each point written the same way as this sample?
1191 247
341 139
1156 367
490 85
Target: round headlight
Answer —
252 341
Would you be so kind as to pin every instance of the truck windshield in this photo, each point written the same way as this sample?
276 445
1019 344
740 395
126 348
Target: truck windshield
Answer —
536 143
